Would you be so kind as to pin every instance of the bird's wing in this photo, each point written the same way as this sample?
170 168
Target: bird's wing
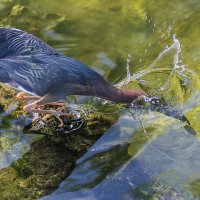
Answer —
41 74
29 74
16 42
76 72
29 64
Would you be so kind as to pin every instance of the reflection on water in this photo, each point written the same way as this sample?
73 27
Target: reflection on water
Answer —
108 171
146 155
13 144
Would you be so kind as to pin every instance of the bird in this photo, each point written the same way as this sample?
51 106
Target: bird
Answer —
45 75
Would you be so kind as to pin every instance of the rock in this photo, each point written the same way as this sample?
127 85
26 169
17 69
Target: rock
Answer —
52 157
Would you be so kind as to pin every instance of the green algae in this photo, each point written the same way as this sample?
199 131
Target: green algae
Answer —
37 172
8 98
194 187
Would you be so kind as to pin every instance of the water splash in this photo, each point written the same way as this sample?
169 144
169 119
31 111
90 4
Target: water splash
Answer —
128 78
171 86
167 80
128 74
167 73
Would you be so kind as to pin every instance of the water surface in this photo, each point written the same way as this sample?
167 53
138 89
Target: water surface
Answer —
145 155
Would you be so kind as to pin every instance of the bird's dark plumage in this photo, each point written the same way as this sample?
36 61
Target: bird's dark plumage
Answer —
28 64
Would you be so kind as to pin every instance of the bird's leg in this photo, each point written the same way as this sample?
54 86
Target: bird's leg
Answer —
32 108
22 97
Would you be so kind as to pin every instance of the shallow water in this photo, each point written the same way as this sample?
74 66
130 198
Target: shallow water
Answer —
145 155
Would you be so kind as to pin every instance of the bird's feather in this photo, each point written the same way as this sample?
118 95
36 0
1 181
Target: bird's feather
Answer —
17 42
40 74
24 73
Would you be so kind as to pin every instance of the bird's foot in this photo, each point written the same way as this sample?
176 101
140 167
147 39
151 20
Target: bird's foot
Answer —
69 117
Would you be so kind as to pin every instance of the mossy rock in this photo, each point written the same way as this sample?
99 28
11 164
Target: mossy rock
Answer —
37 173
50 159
8 98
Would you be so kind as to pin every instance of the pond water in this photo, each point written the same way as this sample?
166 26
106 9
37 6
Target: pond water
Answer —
154 45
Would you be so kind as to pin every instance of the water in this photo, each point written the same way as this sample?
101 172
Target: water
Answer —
153 45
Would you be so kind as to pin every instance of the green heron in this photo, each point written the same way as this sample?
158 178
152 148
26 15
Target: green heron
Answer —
30 65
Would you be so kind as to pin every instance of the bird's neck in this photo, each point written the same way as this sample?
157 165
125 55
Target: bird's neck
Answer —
119 95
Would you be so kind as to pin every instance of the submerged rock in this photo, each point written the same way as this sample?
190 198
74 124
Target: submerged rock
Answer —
49 161
76 140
